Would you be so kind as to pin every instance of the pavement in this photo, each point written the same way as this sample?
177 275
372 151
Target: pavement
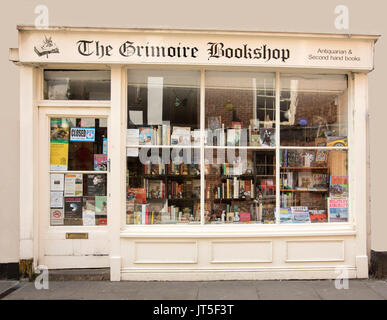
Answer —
210 290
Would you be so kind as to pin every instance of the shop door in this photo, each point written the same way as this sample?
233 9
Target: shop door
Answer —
73 188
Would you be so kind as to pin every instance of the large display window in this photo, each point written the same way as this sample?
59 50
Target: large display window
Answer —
236 148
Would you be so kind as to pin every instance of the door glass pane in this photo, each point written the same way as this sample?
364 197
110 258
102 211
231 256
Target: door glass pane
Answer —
77 84
240 186
78 171
314 110
314 186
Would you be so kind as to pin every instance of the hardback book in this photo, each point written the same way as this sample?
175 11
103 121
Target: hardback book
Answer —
318 216
338 186
305 180
294 158
320 180
146 135
155 189
244 217
96 185
337 210
100 162
73 207
267 137
300 214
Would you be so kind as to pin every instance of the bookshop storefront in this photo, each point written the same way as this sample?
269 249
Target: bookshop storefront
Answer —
194 155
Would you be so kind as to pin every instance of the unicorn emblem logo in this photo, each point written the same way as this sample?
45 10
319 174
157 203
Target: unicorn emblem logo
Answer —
46 48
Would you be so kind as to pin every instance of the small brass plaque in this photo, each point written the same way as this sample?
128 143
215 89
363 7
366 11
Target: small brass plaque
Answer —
77 235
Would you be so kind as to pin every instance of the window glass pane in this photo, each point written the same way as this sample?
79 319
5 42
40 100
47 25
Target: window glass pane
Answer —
77 84
240 109
240 186
314 186
314 110
163 186
78 178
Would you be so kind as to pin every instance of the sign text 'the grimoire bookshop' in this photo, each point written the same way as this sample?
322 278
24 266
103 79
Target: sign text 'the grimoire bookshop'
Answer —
215 50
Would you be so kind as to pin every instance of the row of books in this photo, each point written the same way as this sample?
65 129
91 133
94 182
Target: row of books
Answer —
189 189
235 189
241 137
304 180
162 135
337 212
303 158
145 214
154 189
173 169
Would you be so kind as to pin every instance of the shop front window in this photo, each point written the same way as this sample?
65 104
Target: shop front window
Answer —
261 161
78 171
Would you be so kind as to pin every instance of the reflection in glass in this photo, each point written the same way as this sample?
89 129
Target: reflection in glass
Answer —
77 84
240 109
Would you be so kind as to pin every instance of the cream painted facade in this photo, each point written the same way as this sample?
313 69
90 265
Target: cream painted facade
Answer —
184 252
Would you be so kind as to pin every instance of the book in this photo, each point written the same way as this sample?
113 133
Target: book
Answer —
337 210
181 136
244 217
320 180
267 137
96 185
155 189
318 216
137 194
300 214
230 217
57 182
73 184
305 179
100 162
338 187
233 137
146 135
73 207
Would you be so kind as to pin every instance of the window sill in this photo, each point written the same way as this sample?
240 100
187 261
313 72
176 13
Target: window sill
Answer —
237 231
